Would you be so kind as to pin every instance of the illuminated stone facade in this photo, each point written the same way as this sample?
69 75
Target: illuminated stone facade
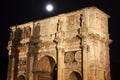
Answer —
70 46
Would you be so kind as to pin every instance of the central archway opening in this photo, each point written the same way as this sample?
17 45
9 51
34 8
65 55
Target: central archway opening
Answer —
46 69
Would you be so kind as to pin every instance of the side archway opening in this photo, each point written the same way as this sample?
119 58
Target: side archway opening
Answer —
75 76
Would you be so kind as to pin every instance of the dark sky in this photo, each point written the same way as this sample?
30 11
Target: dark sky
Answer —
14 12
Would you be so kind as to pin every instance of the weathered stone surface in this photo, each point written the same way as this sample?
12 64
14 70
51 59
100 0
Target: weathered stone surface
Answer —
78 56
70 46
69 57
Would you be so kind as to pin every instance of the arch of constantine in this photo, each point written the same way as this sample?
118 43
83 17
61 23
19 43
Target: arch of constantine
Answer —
70 46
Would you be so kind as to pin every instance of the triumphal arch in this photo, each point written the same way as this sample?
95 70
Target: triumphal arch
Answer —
69 46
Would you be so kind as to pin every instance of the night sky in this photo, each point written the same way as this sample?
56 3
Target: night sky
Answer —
14 12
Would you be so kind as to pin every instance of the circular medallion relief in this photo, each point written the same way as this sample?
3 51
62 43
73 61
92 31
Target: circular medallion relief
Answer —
69 57
78 56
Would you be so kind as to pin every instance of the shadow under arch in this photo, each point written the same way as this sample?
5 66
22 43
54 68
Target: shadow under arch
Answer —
45 68
21 77
75 76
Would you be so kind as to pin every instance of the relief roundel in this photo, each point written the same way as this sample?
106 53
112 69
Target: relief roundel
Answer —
78 56
69 57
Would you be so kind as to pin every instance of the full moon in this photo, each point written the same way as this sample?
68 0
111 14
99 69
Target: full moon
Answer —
49 7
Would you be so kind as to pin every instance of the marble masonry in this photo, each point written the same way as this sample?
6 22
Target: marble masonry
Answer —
69 46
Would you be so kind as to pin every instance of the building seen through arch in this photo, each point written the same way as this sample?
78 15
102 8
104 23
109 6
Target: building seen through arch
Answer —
70 46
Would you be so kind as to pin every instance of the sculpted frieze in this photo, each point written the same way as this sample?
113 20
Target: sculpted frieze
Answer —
46 45
73 22
75 42
45 38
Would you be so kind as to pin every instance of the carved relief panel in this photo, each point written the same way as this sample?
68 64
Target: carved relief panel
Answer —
78 56
69 57
73 59
22 65
73 22
47 26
